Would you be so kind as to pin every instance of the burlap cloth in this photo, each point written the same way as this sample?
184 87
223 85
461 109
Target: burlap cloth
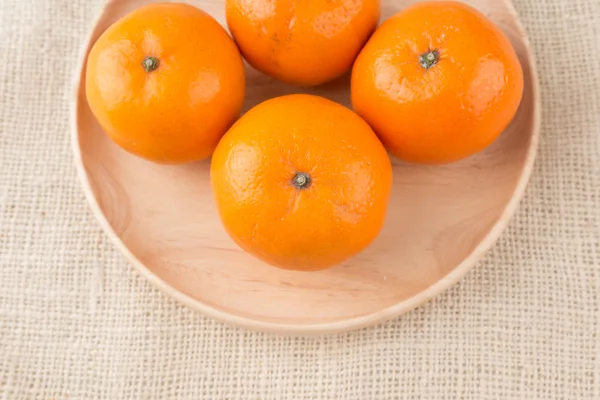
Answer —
76 321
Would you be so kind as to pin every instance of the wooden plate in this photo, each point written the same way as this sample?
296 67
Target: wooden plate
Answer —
441 219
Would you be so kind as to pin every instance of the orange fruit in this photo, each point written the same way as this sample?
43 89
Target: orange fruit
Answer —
165 82
302 42
301 182
437 82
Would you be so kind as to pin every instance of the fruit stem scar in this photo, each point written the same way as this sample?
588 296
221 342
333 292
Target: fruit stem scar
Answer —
429 59
301 180
150 63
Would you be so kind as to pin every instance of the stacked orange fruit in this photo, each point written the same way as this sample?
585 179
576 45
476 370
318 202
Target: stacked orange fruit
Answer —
300 181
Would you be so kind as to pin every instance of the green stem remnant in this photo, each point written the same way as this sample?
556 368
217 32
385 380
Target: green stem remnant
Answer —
429 59
301 180
150 63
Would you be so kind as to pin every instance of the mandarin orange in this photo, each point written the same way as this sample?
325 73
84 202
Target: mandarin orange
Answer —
165 82
302 42
301 182
438 82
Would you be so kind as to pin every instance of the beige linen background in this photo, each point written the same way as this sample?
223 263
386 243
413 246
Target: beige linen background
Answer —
76 322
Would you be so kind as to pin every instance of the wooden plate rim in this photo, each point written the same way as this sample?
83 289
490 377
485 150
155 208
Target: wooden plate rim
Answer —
333 327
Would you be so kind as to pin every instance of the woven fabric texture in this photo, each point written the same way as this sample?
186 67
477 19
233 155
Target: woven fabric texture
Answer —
77 322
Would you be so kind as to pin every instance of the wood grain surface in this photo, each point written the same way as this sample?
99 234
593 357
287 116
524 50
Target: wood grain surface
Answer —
441 218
